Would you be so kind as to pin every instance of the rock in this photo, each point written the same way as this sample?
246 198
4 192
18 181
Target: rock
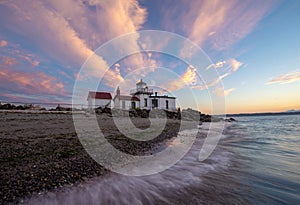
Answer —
106 110
144 114
7 106
230 120
20 107
59 108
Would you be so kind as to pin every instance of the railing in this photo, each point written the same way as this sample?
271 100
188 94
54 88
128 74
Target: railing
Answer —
143 90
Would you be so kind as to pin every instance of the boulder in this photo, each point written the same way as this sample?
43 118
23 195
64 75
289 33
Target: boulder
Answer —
230 120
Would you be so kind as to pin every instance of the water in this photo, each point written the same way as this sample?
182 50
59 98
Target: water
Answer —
268 148
256 162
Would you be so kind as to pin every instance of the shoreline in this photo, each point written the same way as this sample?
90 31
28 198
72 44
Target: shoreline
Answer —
41 153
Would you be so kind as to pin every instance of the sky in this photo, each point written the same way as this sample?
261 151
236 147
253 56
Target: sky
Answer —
252 45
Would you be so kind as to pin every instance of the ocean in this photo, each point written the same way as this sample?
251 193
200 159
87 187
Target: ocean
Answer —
257 161
267 151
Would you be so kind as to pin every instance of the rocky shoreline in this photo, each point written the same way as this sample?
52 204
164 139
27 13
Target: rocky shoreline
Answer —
185 114
41 152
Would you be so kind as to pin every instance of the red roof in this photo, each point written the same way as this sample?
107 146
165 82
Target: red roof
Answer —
100 95
128 97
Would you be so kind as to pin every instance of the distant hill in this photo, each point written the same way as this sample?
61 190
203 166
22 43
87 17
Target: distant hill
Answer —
289 112
293 110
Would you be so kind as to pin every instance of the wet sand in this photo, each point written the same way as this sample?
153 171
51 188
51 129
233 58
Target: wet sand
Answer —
41 152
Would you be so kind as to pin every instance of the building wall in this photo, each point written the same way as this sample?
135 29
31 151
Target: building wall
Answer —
162 103
94 103
124 104
141 103
116 103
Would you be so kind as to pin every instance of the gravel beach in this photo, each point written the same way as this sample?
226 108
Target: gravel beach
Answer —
41 152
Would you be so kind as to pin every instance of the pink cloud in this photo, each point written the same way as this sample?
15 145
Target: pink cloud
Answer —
3 43
68 31
220 23
286 78
30 83
9 61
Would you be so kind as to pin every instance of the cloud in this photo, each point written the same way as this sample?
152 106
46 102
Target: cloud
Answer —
68 31
28 58
17 55
221 92
286 78
218 23
235 65
188 78
35 63
3 43
227 66
34 83
9 61
220 64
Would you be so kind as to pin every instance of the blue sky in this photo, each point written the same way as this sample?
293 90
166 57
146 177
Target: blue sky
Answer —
254 46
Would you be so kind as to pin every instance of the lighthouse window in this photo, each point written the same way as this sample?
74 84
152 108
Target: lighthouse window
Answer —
145 103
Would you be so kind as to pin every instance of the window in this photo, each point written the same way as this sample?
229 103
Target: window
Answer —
154 103
123 104
145 103
167 104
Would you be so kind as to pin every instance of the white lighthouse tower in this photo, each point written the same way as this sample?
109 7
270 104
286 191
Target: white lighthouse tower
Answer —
143 93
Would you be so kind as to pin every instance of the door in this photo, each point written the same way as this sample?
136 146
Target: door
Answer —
133 105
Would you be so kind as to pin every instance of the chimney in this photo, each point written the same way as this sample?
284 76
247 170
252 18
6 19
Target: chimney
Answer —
118 91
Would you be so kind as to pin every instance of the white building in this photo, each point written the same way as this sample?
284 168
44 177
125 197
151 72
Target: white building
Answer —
163 102
150 101
99 99
143 93
125 102
142 97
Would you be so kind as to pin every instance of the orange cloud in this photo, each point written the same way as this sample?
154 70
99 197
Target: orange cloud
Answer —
37 82
9 61
221 92
286 78
69 30
3 43
217 22
235 65
188 78
227 67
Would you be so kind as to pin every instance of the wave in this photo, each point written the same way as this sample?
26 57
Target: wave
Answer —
153 189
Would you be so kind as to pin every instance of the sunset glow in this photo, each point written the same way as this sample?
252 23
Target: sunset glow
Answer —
253 45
